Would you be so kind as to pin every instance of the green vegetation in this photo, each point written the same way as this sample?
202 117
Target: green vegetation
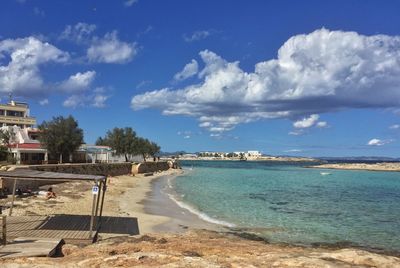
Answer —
124 141
7 137
61 136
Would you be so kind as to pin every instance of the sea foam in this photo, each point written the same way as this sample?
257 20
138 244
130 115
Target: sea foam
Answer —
194 211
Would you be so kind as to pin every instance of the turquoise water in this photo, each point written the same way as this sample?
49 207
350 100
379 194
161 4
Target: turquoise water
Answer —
288 203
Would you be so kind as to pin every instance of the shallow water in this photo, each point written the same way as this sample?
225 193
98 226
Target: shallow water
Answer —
288 203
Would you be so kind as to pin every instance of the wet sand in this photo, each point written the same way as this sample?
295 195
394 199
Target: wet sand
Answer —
157 202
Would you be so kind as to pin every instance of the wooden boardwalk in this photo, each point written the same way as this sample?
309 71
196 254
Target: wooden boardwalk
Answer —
67 227
55 226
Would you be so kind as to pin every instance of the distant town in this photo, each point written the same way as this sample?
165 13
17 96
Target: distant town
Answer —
239 156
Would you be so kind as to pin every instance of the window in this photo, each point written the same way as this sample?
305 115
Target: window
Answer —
15 113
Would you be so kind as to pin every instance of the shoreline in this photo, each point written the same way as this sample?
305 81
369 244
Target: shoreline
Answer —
180 220
158 202
384 166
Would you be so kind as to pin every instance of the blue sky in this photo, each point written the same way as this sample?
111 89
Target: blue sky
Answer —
312 78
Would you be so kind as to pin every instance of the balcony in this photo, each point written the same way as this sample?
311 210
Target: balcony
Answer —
13 120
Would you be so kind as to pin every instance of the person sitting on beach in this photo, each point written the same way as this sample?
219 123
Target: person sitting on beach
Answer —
50 193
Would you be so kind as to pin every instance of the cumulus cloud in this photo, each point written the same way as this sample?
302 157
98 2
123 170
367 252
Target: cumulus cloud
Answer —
324 71
73 101
395 126
20 62
196 36
378 142
78 81
79 33
96 99
306 122
110 49
189 70
99 100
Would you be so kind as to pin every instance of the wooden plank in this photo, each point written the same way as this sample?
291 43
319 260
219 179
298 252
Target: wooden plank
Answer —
30 247
68 226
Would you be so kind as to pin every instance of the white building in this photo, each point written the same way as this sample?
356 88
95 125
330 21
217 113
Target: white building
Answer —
253 154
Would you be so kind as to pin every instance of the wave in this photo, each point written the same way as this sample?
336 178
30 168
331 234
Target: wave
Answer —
194 211
199 214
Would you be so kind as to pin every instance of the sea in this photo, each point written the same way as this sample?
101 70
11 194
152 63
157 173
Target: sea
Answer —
288 203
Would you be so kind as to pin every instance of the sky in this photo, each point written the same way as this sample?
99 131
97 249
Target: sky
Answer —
300 78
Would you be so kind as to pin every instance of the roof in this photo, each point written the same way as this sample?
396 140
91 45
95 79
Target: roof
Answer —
29 174
95 148
26 146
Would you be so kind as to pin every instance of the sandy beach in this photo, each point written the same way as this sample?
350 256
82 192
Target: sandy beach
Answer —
130 196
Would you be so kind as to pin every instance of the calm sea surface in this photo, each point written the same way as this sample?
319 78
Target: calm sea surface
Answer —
287 203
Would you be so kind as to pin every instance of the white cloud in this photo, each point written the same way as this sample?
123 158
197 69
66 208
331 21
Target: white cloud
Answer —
189 70
396 126
79 33
186 134
297 132
143 84
196 36
322 124
293 151
44 102
78 81
306 122
21 73
324 71
111 50
130 3
378 142
73 101
97 98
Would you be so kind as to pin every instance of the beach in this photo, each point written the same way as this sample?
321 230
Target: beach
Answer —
126 196
171 236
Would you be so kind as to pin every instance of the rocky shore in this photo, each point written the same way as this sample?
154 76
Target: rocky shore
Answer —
201 248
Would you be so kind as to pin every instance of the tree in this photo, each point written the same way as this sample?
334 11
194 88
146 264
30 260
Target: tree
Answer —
122 140
7 137
143 146
125 142
154 149
61 136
